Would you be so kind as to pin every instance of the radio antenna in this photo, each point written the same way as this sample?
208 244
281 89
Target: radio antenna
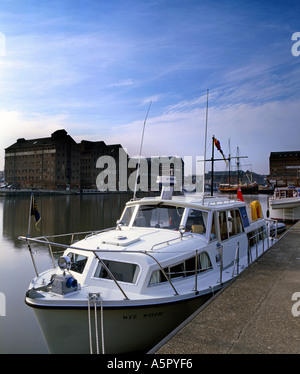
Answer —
205 140
141 146
205 137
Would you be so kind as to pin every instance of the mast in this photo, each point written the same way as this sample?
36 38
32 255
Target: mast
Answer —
238 165
141 146
229 181
205 138
212 167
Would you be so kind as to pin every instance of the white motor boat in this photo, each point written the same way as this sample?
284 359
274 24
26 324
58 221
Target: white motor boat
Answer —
284 205
123 289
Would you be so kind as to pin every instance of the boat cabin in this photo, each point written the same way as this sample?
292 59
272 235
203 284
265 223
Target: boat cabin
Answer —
189 217
158 241
286 192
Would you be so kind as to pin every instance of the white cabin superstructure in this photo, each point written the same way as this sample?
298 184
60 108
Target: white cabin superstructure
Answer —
162 261
284 205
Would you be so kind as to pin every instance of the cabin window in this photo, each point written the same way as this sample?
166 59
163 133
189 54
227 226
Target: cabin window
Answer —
234 222
176 271
251 238
213 235
197 222
223 225
77 262
182 270
159 216
204 262
122 271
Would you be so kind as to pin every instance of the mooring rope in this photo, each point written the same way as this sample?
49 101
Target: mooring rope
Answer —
102 324
94 297
90 327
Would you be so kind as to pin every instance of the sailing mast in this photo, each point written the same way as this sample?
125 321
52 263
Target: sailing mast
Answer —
238 165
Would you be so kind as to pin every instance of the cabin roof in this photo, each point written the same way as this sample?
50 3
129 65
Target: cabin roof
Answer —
206 203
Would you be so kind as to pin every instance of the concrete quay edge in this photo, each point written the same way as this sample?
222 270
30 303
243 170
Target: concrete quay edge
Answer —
253 314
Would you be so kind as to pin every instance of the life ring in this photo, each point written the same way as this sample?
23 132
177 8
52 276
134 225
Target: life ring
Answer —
256 211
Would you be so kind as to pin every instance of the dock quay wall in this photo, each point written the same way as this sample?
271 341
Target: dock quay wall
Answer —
258 313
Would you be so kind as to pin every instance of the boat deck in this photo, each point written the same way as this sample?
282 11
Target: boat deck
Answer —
256 313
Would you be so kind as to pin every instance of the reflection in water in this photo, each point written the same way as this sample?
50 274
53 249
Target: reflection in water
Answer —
19 331
61 214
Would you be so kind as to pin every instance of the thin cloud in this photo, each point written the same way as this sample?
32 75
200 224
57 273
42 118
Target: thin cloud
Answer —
153 99
124 83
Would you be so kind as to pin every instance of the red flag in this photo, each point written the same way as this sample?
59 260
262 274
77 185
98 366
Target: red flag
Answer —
218 146
239 194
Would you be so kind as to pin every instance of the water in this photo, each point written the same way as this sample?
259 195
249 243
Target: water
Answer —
19 330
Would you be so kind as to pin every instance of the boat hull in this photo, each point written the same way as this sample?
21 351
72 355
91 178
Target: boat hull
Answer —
287 210
246 190
126 329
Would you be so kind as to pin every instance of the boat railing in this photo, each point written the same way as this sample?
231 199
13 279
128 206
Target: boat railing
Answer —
44 240
266 236
85 234
272 228
171 240
219 201
236 261
263 235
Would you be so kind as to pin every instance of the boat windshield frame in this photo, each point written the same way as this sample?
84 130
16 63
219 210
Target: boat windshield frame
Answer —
160 215
134 212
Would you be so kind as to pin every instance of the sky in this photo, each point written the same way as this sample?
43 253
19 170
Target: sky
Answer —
93 67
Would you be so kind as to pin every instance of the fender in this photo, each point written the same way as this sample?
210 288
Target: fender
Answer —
256 211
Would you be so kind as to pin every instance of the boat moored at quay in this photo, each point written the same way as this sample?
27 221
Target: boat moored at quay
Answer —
284 205
125 288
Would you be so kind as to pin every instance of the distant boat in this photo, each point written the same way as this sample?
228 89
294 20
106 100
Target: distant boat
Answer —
266 190
249 189
284 205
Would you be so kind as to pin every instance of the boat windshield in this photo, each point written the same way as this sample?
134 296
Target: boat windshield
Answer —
159 216
127 215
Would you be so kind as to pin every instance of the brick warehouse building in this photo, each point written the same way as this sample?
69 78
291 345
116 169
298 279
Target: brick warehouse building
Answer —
284 168
56 162
89 154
